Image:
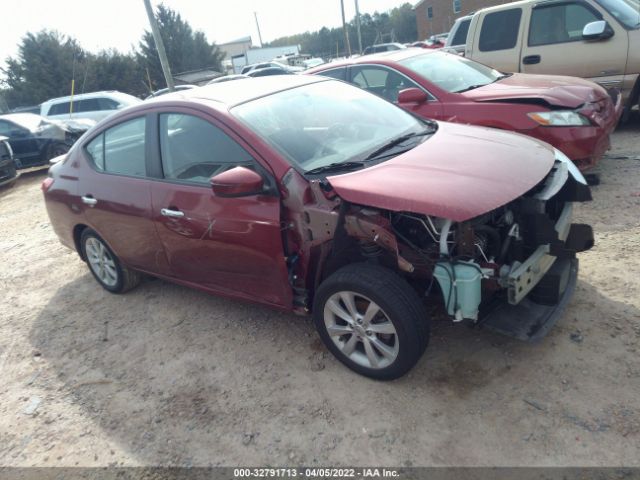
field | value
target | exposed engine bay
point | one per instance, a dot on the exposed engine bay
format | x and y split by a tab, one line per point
501	256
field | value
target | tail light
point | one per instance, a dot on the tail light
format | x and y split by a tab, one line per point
46	184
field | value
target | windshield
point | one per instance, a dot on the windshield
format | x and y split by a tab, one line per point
626	12
326	123
451	72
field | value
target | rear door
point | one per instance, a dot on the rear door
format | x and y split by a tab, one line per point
26	148
554	43
497	39
231	246
115	193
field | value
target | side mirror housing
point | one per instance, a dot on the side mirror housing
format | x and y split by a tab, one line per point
237	182
412	95
598	30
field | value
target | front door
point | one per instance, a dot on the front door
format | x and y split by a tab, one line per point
387	83
231	246
554	43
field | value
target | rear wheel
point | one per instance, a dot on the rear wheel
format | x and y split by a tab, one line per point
371	320
105	266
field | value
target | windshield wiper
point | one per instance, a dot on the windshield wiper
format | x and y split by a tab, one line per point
471	87
396	141
336	167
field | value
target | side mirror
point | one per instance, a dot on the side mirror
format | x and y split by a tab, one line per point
412	95
599	30
237	182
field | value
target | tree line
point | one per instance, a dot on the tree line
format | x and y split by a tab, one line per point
397	25
48	61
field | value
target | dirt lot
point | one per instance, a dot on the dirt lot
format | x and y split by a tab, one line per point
167	375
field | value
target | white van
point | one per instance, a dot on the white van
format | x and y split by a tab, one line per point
94	106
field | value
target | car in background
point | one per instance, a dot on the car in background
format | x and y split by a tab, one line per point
228	78
383	47
312	196
94	106
594	39
34	109
164	91
275	65
572	114
267	72
457	38
35	140
8	171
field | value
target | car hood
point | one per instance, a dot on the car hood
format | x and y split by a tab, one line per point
555	90
459	173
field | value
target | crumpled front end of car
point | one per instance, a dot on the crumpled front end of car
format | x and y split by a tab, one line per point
512	269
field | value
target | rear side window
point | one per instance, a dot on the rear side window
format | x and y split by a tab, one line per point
107	104
121	149
337	73
559	23
59	108
500	30
88	105
193	150
460	37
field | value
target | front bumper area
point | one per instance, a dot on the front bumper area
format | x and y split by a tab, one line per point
530	321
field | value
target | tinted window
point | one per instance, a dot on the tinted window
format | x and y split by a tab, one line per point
193	150
8	129
89	105
460	37
381	81
120	149
5	153
338	73
500	30
559	23
5	127
107	104
59	108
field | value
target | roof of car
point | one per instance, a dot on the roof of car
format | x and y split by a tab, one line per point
234	93
393	56
82	96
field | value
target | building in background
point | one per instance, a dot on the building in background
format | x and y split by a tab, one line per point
258	55
437	16
233	49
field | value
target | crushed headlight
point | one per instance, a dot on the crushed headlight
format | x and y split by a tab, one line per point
560	118
573	170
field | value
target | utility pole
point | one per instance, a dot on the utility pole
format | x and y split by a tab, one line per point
258	27
344	29
164	62
358	27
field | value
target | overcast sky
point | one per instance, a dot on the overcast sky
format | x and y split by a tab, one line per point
119	23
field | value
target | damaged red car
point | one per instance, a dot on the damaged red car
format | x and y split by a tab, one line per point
572	114
313	196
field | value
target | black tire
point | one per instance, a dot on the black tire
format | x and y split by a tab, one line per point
399	303
126	279
56	149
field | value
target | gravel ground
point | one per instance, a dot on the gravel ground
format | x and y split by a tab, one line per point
167	375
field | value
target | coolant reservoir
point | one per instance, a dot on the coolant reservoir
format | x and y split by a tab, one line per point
461	296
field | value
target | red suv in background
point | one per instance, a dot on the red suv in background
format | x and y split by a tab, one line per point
572	114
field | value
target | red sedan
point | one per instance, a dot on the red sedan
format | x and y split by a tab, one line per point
572	114
310	195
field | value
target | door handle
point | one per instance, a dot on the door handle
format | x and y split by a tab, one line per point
167	212
89	200
531	59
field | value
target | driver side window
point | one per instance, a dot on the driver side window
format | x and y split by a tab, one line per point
193	150
381	81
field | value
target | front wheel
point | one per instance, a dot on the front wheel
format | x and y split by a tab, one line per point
371	320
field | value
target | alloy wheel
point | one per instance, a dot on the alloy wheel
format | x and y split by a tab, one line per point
101	262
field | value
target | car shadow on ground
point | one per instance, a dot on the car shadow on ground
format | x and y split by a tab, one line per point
168	372
25	176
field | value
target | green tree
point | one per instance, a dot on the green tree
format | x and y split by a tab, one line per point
186	49
43	68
